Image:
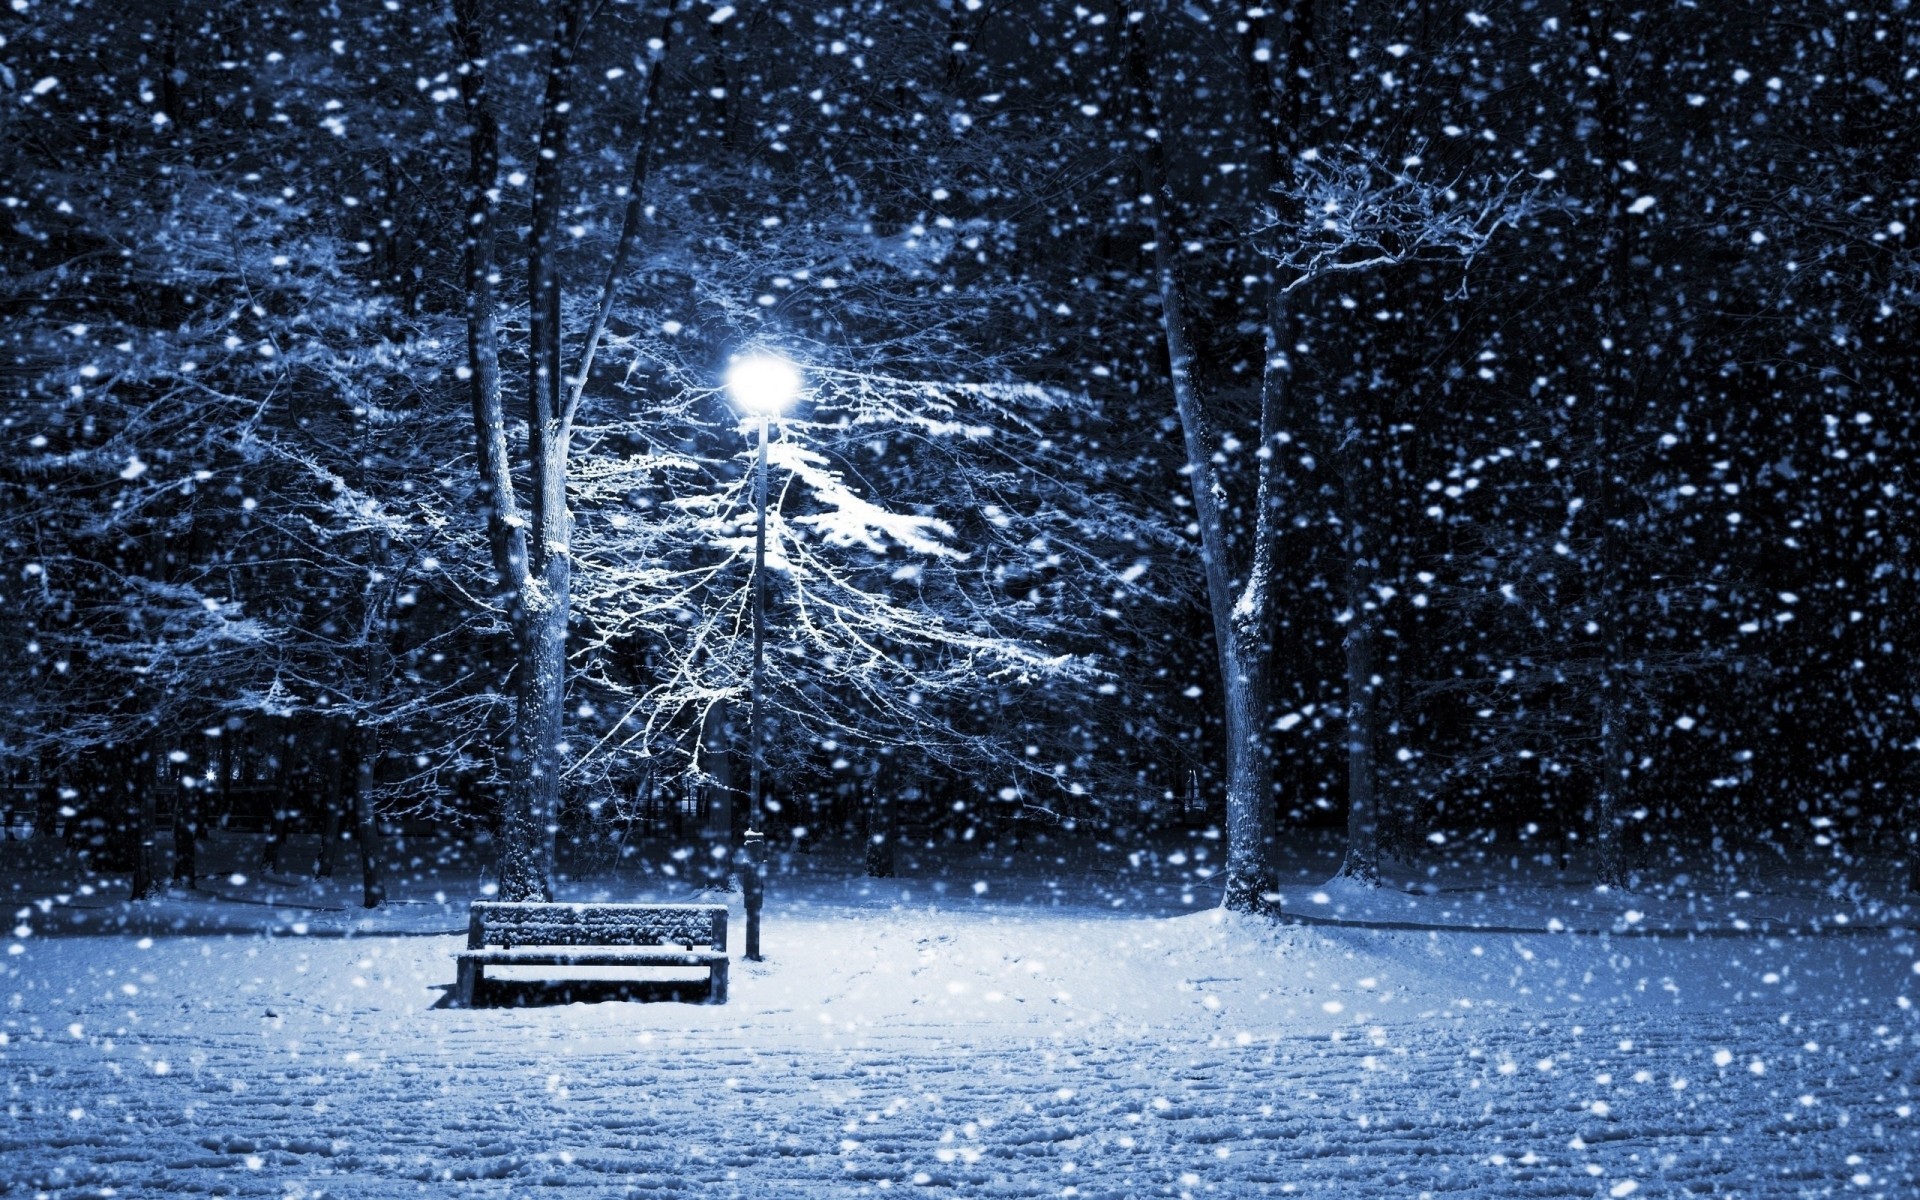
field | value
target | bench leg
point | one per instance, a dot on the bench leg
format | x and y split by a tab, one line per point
717	984
467	983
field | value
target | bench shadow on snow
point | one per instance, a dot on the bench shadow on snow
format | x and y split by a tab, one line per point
537	993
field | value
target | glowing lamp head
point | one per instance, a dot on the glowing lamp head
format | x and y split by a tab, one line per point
763	384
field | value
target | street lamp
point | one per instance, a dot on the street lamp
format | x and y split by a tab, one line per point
763	385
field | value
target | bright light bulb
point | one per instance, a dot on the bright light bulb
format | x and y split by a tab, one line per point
764	383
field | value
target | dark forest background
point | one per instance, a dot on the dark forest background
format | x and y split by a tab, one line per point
1536	375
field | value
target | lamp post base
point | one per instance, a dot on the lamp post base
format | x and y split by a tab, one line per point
753	886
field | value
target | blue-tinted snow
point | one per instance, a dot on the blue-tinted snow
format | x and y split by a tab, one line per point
1024	1041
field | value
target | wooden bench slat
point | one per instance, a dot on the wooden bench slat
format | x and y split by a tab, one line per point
511	923
590	956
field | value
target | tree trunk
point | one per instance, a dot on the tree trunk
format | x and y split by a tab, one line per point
1239	623
330	784
1237	602
225	760
276	835
1912	834
186	835
532	552
1610	777
880	821
1363	817
506	532
366	822
1397	798
140	782
1612	407
529	831
521	871
329	834
283	777
112	819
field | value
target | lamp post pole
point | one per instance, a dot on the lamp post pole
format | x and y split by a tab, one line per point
762	385
754	850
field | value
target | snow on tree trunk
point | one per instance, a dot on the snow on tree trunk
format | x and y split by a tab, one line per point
506	532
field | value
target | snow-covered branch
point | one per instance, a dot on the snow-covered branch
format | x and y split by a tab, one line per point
1350	211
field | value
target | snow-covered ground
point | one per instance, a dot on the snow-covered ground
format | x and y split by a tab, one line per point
1023	1040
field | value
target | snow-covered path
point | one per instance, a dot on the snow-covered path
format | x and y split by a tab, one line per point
1414	1108
978	1057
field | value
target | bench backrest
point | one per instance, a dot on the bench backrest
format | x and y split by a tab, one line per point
508	924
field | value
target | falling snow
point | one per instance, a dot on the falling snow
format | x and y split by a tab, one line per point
1286	599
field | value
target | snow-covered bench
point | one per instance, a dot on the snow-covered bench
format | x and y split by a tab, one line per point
517	934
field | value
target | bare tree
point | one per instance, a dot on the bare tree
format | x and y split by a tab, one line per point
532	543
1237	579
